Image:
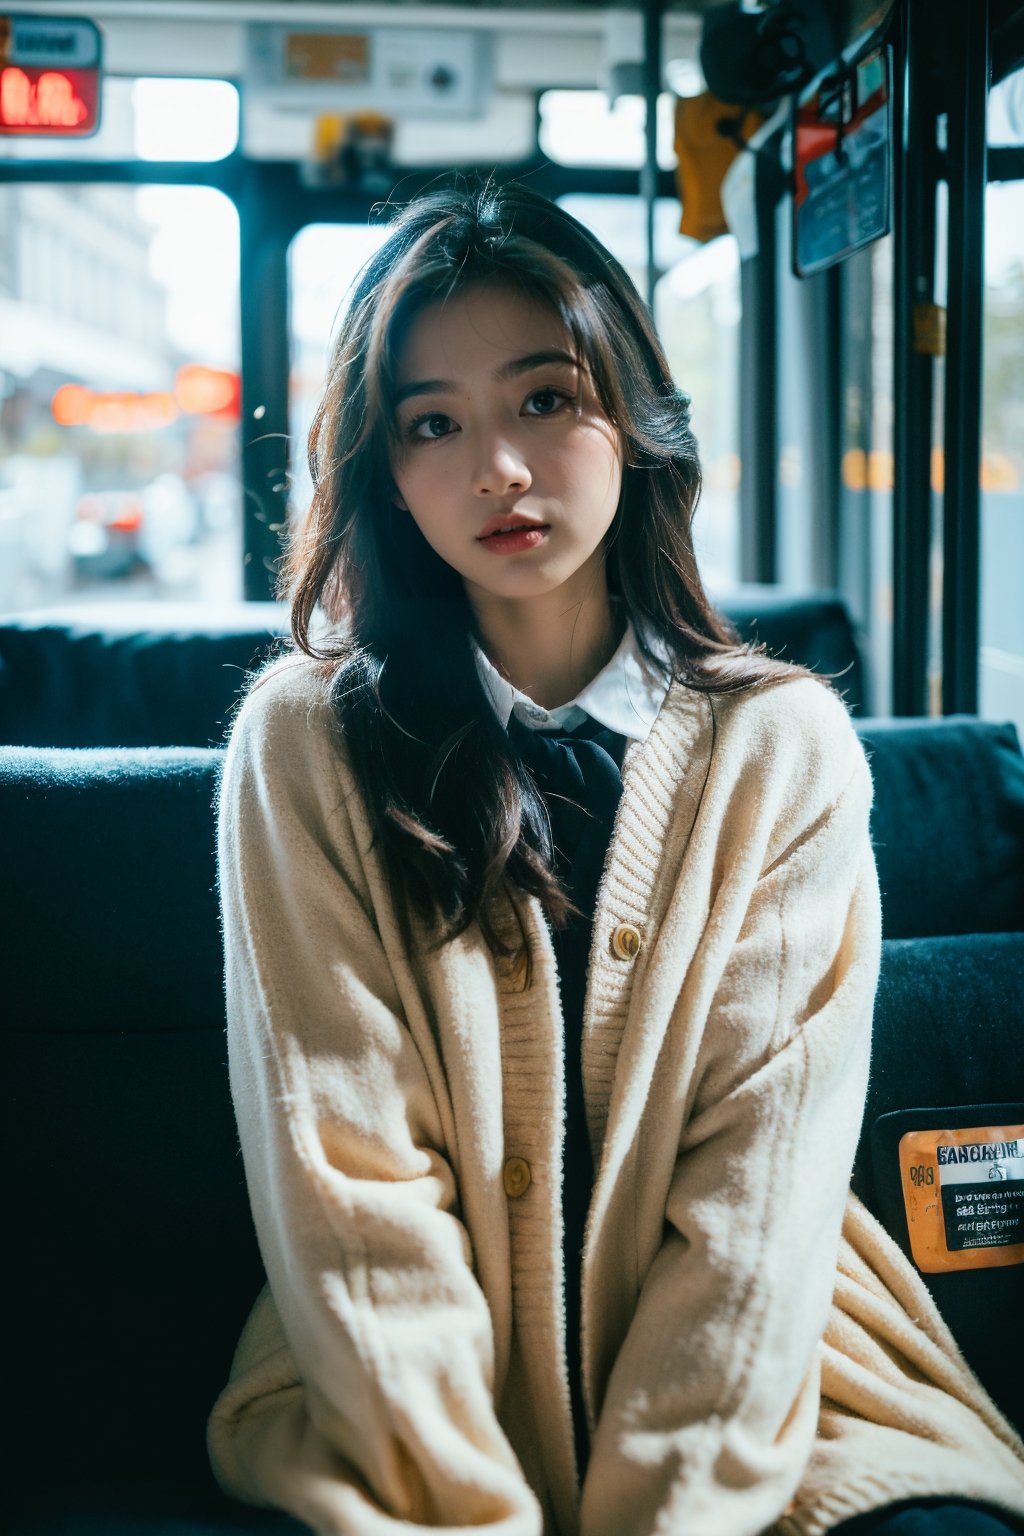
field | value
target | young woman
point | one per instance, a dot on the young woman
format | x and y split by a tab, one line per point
552	934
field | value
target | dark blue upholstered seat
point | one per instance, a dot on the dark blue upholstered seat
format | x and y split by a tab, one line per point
152	675
137	675
948	830
134	1262
947	825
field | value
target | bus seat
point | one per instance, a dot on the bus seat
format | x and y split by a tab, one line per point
151	675
131	675
947	824
135	1260
815	629
948	832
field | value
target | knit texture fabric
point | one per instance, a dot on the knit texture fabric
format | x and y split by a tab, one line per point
756	1352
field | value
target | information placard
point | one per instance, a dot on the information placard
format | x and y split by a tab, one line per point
842	164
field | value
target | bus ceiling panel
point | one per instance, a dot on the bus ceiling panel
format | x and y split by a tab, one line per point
209	37
131	47
319	12
161	37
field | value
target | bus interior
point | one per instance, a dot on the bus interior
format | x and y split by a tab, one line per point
823	206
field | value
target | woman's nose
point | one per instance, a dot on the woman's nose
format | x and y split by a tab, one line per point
500	470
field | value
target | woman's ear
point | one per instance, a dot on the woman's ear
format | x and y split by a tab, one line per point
398	500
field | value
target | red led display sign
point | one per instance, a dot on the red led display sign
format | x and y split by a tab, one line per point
48	100
49	76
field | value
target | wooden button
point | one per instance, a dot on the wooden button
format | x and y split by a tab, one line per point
516	1177
627	942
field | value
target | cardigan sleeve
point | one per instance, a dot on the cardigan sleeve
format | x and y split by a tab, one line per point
711	1407
374	1413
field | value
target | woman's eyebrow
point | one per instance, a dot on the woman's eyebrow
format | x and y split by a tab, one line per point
509	370
425	387
518	365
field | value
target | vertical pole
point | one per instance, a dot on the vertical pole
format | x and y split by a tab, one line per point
968	173
653	11
914	235
265	368
820	297
758	404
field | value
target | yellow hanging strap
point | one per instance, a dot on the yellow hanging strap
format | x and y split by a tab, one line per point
709	134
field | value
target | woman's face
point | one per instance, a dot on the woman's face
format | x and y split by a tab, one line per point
506	460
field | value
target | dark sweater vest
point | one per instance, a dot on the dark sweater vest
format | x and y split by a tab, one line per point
580	776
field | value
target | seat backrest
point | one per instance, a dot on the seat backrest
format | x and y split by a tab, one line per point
137	675
136	1259
812	628
170	674
947	825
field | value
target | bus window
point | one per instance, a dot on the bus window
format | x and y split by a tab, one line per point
1001	659
697	312
119	393
619	223
323	261
583	128
878	594
1005	116
808	462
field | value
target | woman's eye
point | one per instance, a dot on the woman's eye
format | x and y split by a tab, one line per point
545	402
430	428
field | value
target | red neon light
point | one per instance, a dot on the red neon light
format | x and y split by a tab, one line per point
74	405
48	100
205	391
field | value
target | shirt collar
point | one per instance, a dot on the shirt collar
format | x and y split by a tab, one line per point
625	696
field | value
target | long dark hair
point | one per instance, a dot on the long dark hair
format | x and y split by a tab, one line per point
456	815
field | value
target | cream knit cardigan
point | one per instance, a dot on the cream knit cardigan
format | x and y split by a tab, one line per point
757	1353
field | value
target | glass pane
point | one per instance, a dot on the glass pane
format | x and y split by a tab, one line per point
1006	111
879	474
581	128
805	469
1001	662
619	223
144	119
119	395
937	555
323	262
697	312
798	431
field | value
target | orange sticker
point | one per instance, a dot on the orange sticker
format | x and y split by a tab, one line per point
964	1195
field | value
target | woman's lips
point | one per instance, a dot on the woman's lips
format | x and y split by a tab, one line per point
516	540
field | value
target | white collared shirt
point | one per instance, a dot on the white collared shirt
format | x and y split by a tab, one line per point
625	696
